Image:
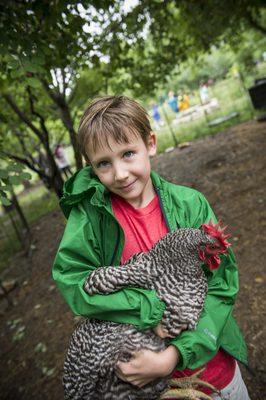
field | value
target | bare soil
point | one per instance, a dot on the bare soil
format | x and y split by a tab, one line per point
229	168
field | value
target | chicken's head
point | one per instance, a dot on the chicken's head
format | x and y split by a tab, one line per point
210	252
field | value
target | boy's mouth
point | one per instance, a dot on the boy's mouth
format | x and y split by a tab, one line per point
127	187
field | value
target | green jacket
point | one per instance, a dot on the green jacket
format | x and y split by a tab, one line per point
93	238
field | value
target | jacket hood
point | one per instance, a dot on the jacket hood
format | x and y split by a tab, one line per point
85	184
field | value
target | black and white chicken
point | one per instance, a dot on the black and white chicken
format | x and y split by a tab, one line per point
173	267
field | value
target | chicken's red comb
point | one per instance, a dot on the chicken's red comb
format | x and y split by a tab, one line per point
216	231
211	254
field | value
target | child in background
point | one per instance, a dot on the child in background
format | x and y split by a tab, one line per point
204	93
156	115
183	102
116	206
62	161
173	102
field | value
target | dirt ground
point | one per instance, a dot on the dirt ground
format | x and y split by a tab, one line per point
229	169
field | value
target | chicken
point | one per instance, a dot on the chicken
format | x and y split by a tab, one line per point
173	267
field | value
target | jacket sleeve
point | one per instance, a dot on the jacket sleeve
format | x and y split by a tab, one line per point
77	256
200	345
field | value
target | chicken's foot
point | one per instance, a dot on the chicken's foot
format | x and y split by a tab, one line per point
185	394
185	388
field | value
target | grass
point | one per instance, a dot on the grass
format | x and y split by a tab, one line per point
37	203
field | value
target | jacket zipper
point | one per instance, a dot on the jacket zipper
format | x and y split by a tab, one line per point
162	208
116	245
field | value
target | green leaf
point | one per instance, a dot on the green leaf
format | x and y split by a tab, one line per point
15	180
3	174
25	175
16	73
48	371
40	347
4	200
15	167
6	188
33	82
38	59
20	333
14	64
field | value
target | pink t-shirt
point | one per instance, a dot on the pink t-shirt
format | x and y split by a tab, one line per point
142	228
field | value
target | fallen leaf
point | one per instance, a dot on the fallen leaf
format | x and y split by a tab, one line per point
40	347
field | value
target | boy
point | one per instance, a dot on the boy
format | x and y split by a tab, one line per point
117	207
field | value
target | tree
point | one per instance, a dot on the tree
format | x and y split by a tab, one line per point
47	48
26	134
46	45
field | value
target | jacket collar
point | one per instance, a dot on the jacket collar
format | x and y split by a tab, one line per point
85	184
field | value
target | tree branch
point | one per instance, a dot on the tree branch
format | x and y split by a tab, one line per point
24	161
63	73
38	115
23	116
56	97
255	24
23	146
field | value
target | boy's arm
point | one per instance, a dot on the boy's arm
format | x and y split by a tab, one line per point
200	345
77	257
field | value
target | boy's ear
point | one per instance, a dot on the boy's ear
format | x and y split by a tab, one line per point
152	144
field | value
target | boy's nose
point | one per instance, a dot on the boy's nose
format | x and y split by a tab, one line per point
121	173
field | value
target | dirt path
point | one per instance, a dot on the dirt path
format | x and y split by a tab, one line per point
230	170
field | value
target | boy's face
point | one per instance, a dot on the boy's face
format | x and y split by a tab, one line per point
124	168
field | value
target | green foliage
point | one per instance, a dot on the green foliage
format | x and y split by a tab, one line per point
90	83
11	174
55	56
140	46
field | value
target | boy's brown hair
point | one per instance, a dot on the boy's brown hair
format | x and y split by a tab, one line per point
112	116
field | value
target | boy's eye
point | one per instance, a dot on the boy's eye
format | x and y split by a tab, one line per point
102	164
128	154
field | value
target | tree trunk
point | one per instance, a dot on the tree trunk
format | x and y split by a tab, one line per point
67	120
55	177
57	184
20	212
59	100
23	233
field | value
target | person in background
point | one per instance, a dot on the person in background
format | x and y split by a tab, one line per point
62	161
156	115
183	102
173	102
204	93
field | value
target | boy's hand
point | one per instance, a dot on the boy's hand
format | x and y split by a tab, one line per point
161	332
147	365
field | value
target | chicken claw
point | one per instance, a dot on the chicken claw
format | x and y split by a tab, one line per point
185	394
